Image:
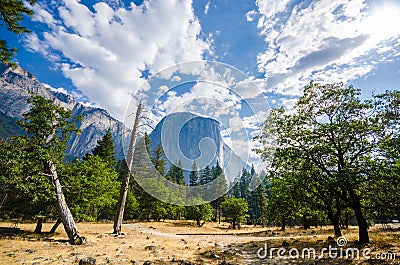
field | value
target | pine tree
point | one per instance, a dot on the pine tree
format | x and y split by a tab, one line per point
205	175
158	159
105	149
194	175
175	174
220	188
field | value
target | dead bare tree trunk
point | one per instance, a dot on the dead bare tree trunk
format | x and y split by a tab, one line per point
63	210
125	182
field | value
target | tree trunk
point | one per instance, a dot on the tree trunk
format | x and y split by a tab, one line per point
363	236
125	182
39	225
63	210
336	228
283	223
334	218
55	226
234	223
305	223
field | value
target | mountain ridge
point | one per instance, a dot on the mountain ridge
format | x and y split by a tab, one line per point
16	84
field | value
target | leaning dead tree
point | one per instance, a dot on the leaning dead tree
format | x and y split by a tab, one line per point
64	213
125	182
63	210
48	128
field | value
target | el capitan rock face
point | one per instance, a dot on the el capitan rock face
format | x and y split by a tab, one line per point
186	137
15	86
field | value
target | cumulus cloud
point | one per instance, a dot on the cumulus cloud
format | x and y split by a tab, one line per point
324	40
104	48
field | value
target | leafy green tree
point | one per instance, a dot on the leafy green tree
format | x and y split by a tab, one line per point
339	134
25	192
235	210
92	189
201	211
12	13
105	149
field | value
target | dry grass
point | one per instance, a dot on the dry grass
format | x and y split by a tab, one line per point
217	243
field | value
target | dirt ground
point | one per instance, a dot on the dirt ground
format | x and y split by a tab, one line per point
181	242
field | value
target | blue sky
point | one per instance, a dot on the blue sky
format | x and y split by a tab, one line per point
102	52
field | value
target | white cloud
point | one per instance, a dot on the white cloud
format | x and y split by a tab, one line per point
207	7
106	48
251	15
325	40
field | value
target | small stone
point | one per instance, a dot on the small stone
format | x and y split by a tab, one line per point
213	256
76	253
30	251
285	244
148	262
87	261
150	247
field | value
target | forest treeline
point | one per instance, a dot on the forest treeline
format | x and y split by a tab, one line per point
332	158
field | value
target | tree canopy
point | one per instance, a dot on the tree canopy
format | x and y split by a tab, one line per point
12	13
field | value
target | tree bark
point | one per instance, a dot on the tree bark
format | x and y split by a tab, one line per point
55	226
63	209
334	218
363	236
39	225
125	182
283	223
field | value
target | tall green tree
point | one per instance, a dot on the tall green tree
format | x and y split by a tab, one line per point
220	187
205	175
92	188
12	13
175	174
105	149
194	175
158	159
